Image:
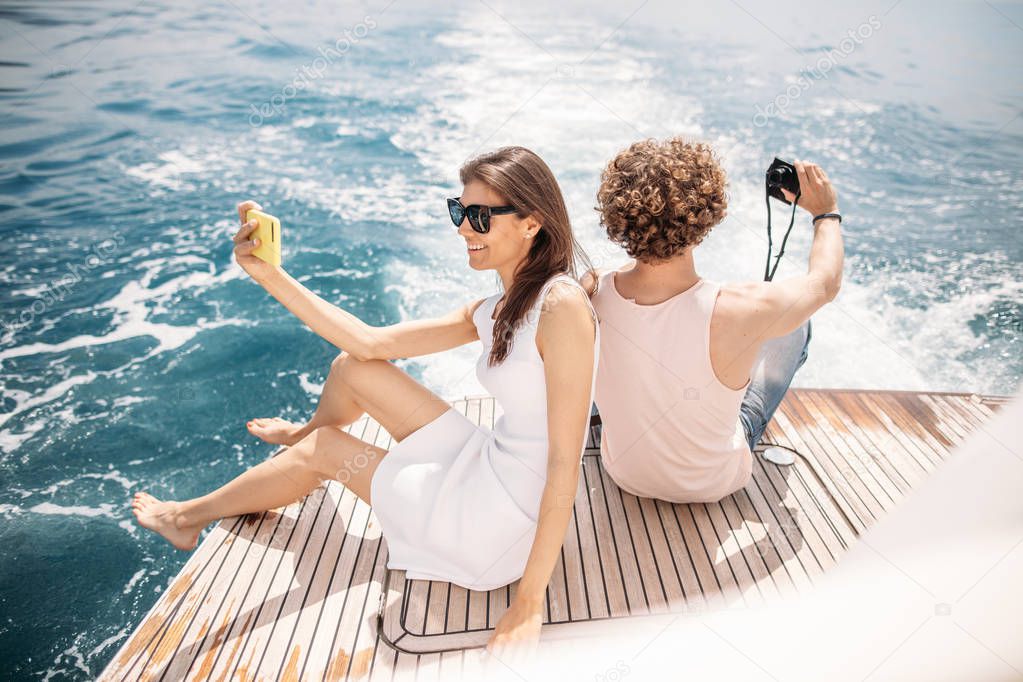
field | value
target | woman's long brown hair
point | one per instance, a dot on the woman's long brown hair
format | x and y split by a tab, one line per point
524	181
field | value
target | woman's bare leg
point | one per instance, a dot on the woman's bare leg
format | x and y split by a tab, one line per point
337	407
397	401
356	387
326	453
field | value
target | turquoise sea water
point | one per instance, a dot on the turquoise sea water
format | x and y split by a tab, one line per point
133	350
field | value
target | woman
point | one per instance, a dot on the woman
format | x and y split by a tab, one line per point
456	501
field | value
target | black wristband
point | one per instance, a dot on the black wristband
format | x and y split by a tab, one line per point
822	216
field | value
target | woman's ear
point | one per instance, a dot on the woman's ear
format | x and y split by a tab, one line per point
533	225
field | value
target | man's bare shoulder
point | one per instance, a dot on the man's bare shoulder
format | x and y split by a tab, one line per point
589	280
740	295
590	277
742	302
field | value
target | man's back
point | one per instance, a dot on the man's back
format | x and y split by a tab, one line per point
671	429
735	329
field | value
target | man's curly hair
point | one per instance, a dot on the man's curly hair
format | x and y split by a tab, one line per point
658	198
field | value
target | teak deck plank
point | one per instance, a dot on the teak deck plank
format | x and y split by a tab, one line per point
296	592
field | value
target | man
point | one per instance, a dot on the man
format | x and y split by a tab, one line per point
691	370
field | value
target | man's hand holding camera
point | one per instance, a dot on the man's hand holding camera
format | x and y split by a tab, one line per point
817	194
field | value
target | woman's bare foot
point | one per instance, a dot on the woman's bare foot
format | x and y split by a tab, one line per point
162	518
275	430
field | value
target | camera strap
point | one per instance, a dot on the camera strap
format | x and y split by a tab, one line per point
768	270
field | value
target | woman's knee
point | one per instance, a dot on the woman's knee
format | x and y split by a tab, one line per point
340	360
309	451
349	366
331	453
345	366
351	369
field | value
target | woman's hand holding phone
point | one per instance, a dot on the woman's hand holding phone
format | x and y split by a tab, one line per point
245	242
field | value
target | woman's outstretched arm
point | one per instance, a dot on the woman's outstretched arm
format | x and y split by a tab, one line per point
343	329
565	336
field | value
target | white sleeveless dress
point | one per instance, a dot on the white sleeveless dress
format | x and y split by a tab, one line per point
459	502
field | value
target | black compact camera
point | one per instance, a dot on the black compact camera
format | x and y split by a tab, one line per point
781	174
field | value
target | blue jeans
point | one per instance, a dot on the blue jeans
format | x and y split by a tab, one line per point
772	373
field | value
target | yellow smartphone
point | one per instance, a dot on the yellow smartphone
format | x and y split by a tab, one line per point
269	234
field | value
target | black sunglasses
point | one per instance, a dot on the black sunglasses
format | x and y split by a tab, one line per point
478	215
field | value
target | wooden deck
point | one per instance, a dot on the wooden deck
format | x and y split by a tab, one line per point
302	592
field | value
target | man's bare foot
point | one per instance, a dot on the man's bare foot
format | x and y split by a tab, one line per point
161	517
275	430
